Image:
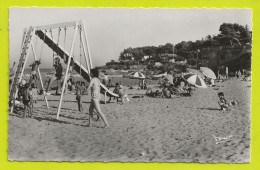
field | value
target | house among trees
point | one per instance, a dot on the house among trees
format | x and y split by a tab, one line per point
231	47
235	57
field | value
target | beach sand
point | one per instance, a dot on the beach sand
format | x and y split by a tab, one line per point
146	129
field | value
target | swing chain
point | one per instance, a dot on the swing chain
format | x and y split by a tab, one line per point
42	45
58	36
53	45
64	43
80	46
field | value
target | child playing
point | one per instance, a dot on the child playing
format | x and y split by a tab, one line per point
122	94
94	87
79	91
34	93
58	75
27	100
223	102
116	91
35	67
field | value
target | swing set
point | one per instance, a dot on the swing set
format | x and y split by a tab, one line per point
45	33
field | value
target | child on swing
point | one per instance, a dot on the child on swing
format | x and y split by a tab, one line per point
94	87
35	66
58	75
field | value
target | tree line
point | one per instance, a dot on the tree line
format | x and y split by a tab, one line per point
230	34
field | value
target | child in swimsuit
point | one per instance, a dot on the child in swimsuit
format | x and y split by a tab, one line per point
94	87
79	91
224	105
122	94
35	67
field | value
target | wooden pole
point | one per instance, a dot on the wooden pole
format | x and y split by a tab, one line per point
67	69
39	73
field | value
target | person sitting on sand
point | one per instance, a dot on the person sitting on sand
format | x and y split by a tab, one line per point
212	82
173	90
223	102
157	94
110	84
161	81
116	91
166	93
149	92
189	90
94	87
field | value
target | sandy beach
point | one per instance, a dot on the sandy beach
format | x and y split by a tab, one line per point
182	129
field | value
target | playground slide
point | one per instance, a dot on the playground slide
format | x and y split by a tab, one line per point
65	55
109	93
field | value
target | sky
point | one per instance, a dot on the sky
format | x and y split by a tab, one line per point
111	30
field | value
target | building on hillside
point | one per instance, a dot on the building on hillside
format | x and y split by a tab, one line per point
213	57
138	67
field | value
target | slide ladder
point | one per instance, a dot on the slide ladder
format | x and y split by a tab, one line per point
26	45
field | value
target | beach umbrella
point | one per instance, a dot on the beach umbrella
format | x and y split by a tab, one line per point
157	76
195	80
137	75
208	72
190	70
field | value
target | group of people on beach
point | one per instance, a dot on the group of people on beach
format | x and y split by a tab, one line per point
172	85
28	90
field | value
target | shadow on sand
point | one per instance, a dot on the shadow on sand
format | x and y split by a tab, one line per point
210	108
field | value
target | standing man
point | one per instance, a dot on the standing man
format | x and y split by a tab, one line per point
227	72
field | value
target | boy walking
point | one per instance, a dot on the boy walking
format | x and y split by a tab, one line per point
79	91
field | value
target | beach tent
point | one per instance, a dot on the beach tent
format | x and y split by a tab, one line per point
208	72
137	75
190	70
195	80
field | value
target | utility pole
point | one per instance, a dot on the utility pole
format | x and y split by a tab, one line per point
197	58
172	48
